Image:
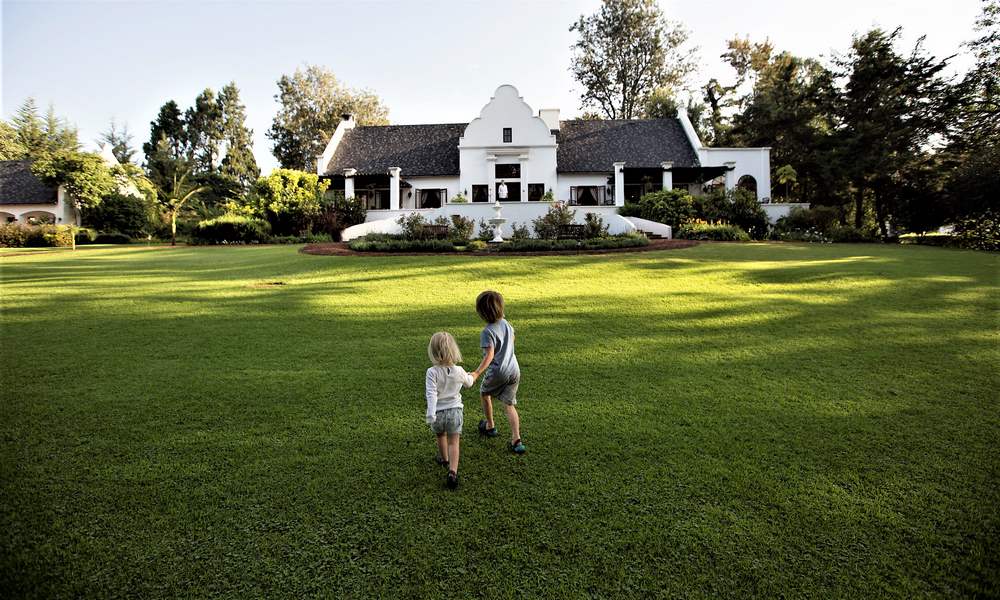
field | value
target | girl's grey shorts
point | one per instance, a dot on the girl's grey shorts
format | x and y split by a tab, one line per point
447	421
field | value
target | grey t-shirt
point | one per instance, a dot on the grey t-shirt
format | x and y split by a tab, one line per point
500	335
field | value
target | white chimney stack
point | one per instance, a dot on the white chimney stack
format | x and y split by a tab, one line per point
550	116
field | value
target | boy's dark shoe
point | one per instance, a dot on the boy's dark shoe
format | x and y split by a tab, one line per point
452	480
517	447
441	461
492	432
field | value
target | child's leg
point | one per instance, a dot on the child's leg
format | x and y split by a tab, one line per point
453	443
515	422
442	446
488	410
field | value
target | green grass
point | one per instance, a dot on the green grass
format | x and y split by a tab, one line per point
726	420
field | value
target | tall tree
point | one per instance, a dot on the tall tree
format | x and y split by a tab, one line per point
120	141
10	145
169	126
312	102
30	132
239	163
891	106
60	136
626	51
203	131
39	137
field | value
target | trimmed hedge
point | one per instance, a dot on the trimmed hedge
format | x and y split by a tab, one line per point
231	229
705	231
363	245
14	235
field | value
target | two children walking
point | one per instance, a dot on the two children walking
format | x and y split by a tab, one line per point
445	379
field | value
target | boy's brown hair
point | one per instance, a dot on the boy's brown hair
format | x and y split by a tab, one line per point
489	305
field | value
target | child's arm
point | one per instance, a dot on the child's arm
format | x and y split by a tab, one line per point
469	379
487	359
431	392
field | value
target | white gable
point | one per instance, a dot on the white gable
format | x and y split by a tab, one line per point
506	110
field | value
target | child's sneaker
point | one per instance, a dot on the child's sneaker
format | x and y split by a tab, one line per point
452	480
441	461
517	447
492	432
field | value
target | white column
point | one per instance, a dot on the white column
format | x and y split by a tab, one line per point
491	177
523	160
349	182
730	175
668	175
619	183
394	188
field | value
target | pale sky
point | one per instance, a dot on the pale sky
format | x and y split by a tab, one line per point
431	62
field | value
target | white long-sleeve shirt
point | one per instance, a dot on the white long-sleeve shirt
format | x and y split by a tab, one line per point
443	388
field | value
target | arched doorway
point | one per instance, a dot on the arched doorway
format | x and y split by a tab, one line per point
748	183
6	217
37	217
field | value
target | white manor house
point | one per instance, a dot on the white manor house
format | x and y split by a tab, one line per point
597	165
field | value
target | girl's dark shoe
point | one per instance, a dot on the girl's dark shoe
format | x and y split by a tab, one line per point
517	447
441	461
492	432
452	480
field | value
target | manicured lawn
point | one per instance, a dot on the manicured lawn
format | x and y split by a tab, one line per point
725	420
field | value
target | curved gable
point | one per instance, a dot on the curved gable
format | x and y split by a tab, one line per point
507	109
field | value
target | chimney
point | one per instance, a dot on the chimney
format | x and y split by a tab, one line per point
551	117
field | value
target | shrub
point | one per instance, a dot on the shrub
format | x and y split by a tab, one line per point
363	245
85	235
459	199
13	235
476	246
461	227
544	245
979	233
818	218
231	229
746	213
112	237
123	213
595	226
548	196
412	226
846	234
671	207
519	231
486	232
712	207
548	225
708	231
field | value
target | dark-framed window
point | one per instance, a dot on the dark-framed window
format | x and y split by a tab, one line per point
374	198
508	171
535	191
508	135
588	195
432	198
480	193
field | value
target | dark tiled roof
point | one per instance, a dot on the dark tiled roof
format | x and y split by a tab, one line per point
18	185
419	150
595	145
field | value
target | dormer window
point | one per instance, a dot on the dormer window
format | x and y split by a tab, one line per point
507	135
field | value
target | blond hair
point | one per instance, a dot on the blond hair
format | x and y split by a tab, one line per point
443	351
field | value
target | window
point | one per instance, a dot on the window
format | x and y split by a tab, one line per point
480	193
508	171
432	198
588	195
373	198
507	135
535	191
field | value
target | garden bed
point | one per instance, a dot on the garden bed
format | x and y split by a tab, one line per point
342	249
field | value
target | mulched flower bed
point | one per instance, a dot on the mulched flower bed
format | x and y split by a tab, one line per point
341	249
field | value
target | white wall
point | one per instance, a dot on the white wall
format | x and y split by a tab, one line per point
515	213
63	211
408	196
569	180
749	161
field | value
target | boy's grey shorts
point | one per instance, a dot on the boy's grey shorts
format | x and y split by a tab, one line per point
500	386
448	421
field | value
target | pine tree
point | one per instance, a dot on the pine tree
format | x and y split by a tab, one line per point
120	141
30	132
204	132
169	126
239	163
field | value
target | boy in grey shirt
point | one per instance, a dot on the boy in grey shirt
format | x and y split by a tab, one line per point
502	373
